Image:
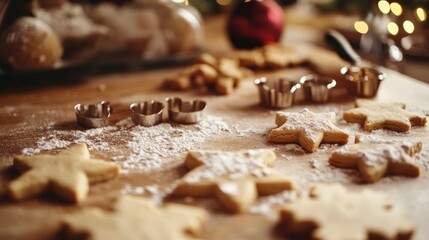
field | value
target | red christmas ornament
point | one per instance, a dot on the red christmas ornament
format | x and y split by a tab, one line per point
255	23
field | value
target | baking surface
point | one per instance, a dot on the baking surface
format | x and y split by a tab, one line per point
43	120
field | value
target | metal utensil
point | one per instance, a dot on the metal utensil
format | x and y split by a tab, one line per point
186	112
365	81
275	92
148	113
317	88
93	115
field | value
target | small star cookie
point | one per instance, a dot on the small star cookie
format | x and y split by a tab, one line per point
307	128
67	174
374	115
375	160
135	218
235	178
331	212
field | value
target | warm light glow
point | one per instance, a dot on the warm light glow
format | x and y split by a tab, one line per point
384	6
223	2
361	27
396	8
392	28
181	1
408	26
421	14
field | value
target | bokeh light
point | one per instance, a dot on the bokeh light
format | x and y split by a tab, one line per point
392	28
181	1
223	2
361	27
408	26
396	8
421	14
384	6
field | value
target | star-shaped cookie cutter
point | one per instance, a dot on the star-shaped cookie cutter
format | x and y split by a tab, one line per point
275	92
317	88
93	115
186	112
148	113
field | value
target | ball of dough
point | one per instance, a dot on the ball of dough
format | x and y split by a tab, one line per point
30	44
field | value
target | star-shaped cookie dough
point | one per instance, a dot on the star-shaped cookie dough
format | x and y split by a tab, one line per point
375	160
333	213
135	218
307	129
67	174
374	115
235	178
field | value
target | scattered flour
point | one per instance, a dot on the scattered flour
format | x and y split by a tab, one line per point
155	192
245	132
265	205
290	148
135	147
423	159
322	172
235	165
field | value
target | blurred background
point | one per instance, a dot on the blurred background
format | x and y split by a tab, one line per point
389	33
51	35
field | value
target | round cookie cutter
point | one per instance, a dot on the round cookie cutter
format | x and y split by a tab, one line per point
148	113
317	88
365	81
276	92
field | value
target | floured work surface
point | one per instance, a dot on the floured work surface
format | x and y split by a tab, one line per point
151	158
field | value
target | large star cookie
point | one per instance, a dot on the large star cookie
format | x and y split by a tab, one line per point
307	128
375	160
67	174
331	212
374	115
235	178
135	218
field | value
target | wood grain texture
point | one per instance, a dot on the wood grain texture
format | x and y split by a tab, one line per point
25	114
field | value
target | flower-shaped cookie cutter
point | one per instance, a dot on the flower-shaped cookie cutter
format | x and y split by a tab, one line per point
93	115
364	80
186	112
148	113
317	88
276	92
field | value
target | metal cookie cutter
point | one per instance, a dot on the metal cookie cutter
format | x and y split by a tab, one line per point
94	115
276	92
364	81
148	113
317	88
185	111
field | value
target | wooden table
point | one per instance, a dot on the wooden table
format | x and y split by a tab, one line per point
27	116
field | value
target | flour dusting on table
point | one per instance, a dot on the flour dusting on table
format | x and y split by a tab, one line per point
134	147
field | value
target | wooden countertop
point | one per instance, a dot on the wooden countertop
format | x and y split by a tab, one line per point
26	116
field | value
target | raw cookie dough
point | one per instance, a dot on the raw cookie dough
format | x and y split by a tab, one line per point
307	129
235	178
67	174
136	218
375	160
331	212
374	115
